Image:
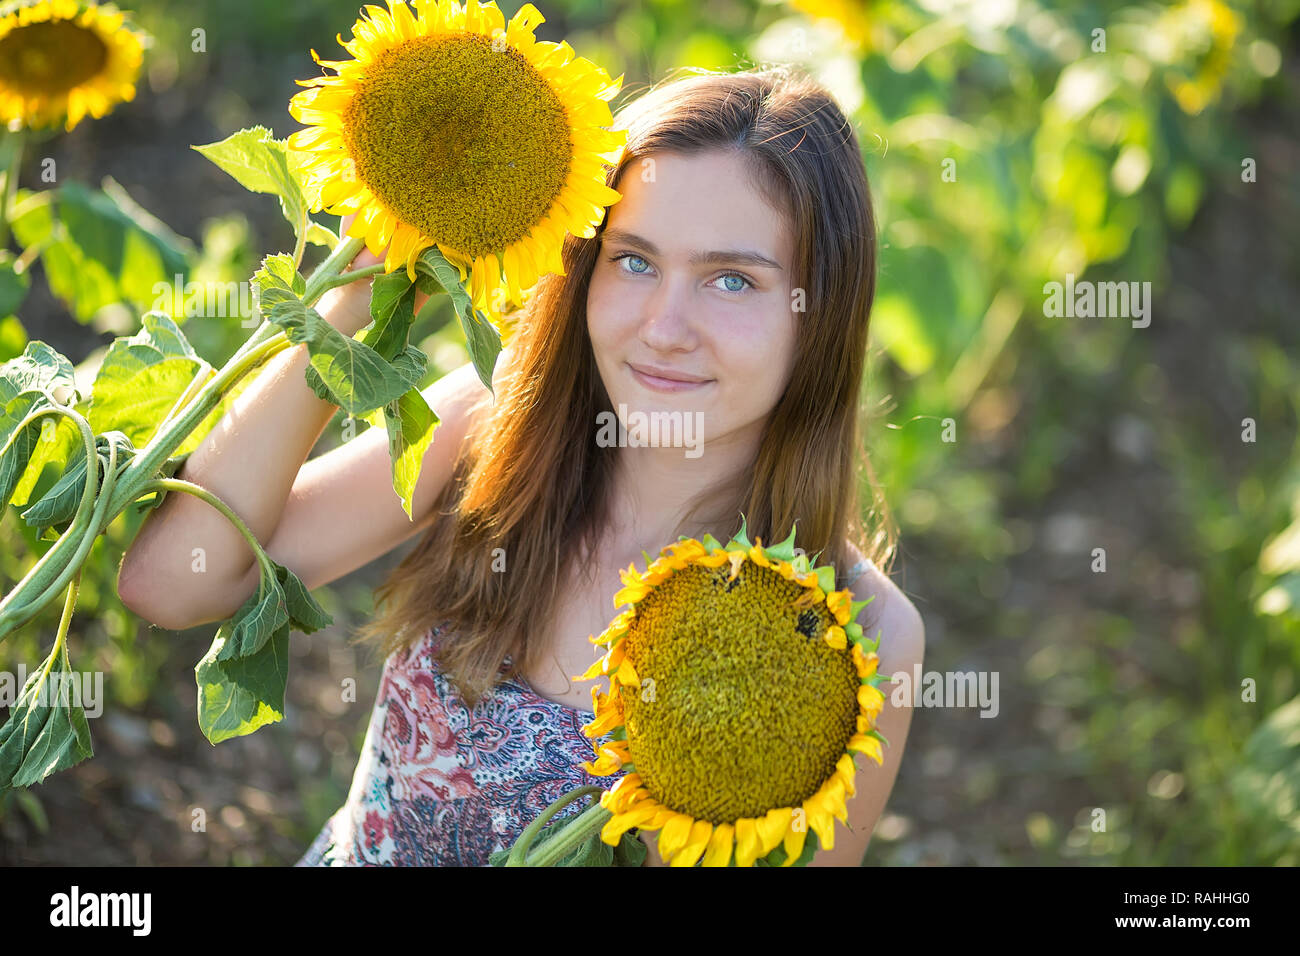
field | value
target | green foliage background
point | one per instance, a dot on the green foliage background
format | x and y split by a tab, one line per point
1005	150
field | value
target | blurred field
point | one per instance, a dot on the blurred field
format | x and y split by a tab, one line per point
1004	152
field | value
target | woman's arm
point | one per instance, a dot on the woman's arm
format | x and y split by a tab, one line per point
902	647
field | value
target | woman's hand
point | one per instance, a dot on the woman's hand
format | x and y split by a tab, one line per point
347	307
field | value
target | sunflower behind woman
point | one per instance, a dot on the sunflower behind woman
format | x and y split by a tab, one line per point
61	60
450	127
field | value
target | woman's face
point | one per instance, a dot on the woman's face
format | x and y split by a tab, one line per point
693	279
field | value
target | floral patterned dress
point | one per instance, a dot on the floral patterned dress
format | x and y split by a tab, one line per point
438	784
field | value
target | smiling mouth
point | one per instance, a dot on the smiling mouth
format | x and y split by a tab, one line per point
660	383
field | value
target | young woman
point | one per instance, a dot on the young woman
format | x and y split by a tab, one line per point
732	282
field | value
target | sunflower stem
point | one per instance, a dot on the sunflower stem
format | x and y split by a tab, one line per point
318	283
571	836
10	186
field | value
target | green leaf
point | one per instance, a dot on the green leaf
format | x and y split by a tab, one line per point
39	368
277	281
280	600
410	423
320	236
631	850
98	251
260	163
304	613
778	855
24	384
238	696
141	378
255	623
352	375
784	551
59	504
392	307
481	337
42	735
13	285
13	338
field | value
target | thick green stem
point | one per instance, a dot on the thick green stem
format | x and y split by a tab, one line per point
60	639
19	615
344	278
38	578
198	491
574	833
323	278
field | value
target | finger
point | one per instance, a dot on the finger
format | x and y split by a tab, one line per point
364	257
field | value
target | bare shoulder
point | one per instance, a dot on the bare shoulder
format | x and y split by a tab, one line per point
902	630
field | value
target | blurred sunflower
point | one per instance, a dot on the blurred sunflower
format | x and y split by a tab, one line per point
450	127
741	687
63	59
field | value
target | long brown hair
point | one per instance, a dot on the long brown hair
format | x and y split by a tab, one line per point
532	485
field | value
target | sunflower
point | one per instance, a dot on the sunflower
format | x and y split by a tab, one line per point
450	127
63	59
850	15
741	687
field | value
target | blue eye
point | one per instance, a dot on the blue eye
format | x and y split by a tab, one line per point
730	275
738	276
629	255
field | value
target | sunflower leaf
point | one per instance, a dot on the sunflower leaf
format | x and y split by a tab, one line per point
277	281
411	423
319	235
99	248
58	506
46	732
351	375
256	621
26	384
238	696
481	337
304	613
631	851
141	378
260	163
392	306
13	285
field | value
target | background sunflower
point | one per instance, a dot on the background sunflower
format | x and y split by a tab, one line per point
61	60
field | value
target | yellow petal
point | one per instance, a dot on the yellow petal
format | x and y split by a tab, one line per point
720	844
867	745
620	823
701	831
793	846
772	827
674	835
747	842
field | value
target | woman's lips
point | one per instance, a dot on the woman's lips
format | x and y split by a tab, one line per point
658	384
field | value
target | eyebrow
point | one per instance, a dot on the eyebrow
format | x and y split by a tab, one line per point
745	256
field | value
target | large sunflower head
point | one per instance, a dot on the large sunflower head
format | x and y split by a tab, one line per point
62	59
741	687
450	127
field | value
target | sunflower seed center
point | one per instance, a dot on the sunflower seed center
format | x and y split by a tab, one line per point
50	58
465	141
751	708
